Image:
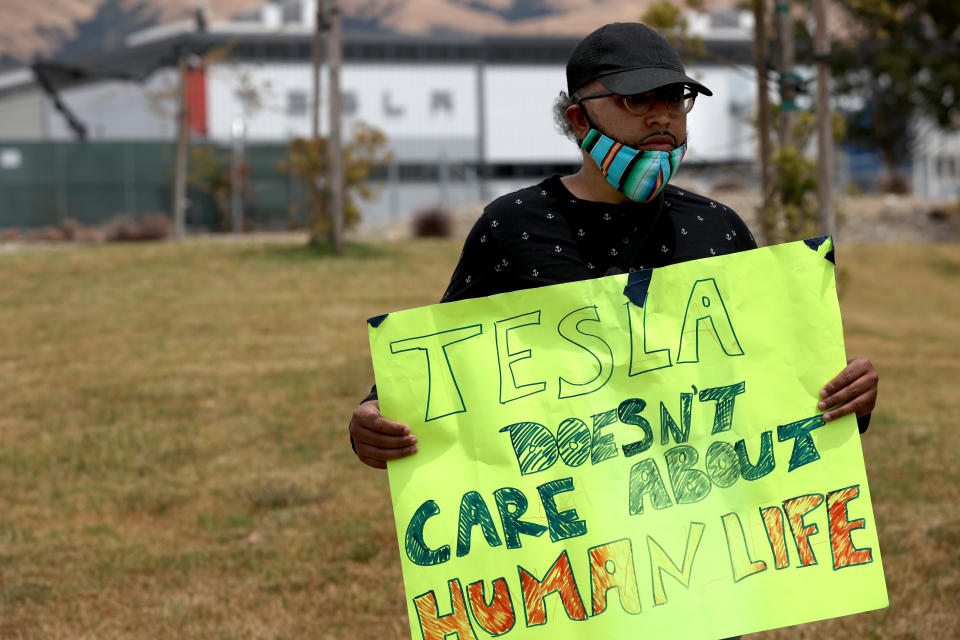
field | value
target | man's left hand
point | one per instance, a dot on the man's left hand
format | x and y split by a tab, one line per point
854	390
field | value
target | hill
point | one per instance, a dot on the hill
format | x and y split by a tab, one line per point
72	27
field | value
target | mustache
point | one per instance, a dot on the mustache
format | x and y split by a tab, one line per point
661	132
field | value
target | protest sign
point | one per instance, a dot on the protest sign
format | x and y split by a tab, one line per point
639	455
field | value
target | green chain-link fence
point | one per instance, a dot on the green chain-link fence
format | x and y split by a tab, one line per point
45	183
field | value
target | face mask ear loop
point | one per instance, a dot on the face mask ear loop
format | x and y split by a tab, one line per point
586	116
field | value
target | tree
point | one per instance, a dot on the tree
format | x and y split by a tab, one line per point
211	173
307	160
668	19
901	59
794	212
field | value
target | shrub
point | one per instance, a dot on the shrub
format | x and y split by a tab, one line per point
156	226
89	235
120	229
45	234
70	228
308	161
435	222
124	228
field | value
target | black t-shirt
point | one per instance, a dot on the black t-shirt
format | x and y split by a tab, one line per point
545	235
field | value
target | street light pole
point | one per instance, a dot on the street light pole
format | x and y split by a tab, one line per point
236	174
335	146
317	63
179	195
788	76
821	48
763	103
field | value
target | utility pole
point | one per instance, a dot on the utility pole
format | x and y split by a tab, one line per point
334	144
821	50
788	78
239	134
179	196
760	51
317	63
482	131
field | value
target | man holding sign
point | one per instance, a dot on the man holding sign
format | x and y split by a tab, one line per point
627	96
701	500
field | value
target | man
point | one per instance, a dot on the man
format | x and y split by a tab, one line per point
626	105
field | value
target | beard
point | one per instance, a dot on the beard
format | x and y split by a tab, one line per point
636	143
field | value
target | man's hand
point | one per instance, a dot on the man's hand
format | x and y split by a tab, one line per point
377	439
854	390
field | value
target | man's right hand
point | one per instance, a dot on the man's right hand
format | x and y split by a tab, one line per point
377	439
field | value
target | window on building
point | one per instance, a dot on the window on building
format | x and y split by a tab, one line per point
390	109
291	13
946	167
441	101
249	99
348	103
252	15
276	51
296	102
725	18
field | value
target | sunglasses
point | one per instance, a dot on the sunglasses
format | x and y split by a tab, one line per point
678	100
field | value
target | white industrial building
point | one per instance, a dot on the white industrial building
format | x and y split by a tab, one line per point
452	93
472	112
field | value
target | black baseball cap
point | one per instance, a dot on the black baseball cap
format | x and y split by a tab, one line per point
627	58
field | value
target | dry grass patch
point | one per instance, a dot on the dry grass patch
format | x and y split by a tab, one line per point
175	463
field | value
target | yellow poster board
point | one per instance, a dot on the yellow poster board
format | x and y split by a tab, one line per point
635	456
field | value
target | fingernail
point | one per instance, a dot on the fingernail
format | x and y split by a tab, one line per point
827	417
823	393
822	406
415	450
413	439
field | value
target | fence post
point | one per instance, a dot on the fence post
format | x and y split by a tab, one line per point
61	178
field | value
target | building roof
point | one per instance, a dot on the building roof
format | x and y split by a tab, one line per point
137	61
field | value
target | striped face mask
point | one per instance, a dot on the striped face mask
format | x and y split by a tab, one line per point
639	175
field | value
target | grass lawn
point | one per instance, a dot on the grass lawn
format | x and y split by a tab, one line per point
175	464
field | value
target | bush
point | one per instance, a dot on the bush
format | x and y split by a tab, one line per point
307	160
89	235
125	229
70	228
432	223
46	234
120	229
895	184
155	227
